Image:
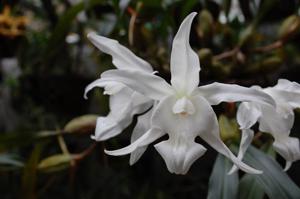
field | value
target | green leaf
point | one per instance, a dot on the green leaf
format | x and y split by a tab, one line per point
274	181
10	160
249	188
222	185
55	163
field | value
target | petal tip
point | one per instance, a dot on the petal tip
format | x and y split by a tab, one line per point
91	34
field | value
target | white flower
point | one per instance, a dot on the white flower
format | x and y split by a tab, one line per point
278	122
184	110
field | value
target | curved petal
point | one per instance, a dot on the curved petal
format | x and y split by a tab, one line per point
142	126
107	127
247	137
288	148
122	57
110	87
185	65
284	84
216	93
273	122
211	135
123	106
248	114
118	119
150	136
285	92
150	85
283	96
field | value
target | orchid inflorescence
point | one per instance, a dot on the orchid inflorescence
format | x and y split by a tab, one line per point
183	110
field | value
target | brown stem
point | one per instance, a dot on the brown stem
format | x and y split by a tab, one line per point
85	153
270	47
134	14
227	54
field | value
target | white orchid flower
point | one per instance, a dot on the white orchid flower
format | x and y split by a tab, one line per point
278	122
184	110
124	102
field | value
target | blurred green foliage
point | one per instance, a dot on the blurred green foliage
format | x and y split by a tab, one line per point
46	153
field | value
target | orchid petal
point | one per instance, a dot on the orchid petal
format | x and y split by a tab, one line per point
122	57
107	127
274	123
284	84
248	114
285	92
216	93
110	87
288	148
211	135
150	136
142	126
123	106
247	137
179	159
150	85
185	65
284	96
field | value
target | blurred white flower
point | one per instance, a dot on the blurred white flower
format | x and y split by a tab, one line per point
10	67
72	38
183	110
278	122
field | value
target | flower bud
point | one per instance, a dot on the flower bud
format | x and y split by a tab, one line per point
289	28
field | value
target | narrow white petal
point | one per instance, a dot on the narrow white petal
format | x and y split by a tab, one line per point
216	93
150	85
142	126
248	114
212	136
149	137
247	137
288	165
110	87
288	148
122	57
185	64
